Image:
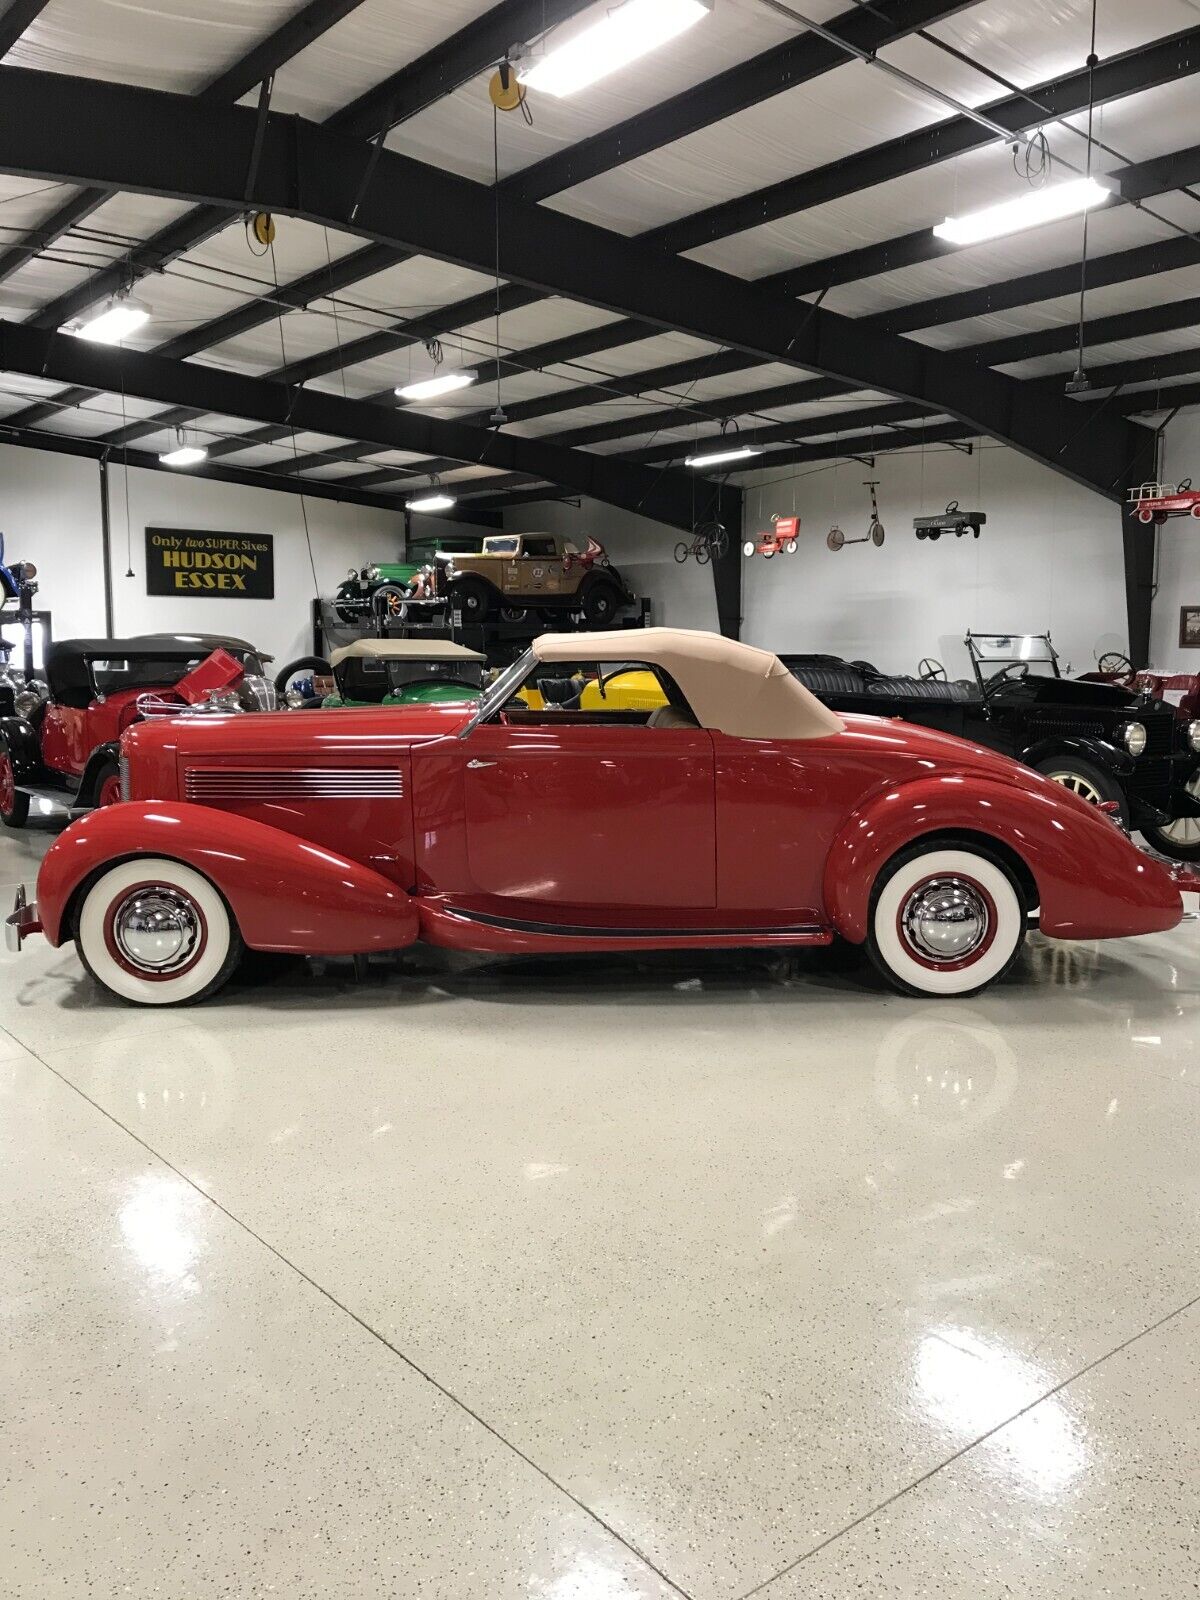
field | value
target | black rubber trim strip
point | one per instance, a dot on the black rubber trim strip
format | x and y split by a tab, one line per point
625	933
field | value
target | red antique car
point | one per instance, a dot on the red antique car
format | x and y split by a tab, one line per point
64	749
742	812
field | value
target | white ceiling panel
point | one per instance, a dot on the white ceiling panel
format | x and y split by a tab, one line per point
374	41
180	45
300	248
391	458
258	455
415	286
456	133
1165	119
1101	355
332	471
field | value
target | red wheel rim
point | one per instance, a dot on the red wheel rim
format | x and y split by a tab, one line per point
8	788
910	947
110	791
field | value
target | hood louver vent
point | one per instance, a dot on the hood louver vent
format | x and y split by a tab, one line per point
267	785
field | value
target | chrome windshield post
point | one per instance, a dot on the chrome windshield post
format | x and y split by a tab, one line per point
505	686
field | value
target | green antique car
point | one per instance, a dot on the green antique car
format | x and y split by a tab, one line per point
382	587
404	672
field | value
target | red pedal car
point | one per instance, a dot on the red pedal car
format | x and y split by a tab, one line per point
1157	502
65	749
742	812
781	538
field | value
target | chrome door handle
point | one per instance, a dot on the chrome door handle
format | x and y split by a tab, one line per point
475	765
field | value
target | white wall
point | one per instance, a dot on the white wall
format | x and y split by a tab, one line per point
50	515
1178	552
50	511
643	551
1049	557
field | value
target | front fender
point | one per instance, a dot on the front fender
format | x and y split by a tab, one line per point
1091	882
1110	757
286	894
19	740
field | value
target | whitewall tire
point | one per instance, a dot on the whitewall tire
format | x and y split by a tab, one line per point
945	920
156	932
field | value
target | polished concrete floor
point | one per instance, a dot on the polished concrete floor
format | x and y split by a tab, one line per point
591	1280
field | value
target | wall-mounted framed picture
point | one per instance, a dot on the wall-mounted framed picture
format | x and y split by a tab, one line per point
1189	627
186	561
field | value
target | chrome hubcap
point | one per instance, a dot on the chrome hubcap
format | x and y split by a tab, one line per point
157	929
945	919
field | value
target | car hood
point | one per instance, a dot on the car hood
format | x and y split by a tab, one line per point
339	731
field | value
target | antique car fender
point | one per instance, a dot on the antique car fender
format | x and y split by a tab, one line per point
19	741
104	755
1112	757
1080	868
286	894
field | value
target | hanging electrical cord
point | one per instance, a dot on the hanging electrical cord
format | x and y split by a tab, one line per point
292	434
1080	383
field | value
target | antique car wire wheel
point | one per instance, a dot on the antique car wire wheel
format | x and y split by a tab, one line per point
945	920
156	932
1179	839
14	806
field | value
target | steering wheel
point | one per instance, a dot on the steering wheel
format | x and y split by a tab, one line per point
317	666
1114	663
1012	673
931	671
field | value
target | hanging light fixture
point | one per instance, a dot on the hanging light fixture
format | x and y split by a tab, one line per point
1030	210
184	454
435	500
121	316
715	457
620	36
440	383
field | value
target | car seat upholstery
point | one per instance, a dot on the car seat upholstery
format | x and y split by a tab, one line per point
671	717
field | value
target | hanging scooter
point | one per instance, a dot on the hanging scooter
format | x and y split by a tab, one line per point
836	539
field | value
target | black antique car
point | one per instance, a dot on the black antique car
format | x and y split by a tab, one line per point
1109	744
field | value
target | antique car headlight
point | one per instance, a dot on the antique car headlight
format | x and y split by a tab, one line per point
373	573
294	699
1134	735
352	573
26	702
1194	735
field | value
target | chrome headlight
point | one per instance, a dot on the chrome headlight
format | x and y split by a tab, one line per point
26	702
1194	735
373	573
294	699
1134	735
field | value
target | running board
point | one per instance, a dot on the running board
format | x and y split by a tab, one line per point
464	929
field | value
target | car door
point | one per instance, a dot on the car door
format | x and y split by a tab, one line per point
542	564
591	814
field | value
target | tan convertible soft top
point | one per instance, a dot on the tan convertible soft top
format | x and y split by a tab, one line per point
404	650
730	686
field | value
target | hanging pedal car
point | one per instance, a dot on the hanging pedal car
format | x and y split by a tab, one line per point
836	539
780	538
953	521
1156	502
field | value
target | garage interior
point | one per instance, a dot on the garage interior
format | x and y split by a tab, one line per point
707	1273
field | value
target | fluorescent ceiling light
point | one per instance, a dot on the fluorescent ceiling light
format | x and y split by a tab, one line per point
433	502
1027	211
716	456
187	455
443	383
116	322
622	35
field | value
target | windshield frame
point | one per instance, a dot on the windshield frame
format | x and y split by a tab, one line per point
999	663
501	692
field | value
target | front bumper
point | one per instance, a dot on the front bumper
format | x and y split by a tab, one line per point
21	923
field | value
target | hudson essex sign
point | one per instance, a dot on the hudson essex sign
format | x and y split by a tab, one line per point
181	561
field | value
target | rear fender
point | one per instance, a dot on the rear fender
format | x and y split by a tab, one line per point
286	894
19	741
104	755
1108	757
1091	882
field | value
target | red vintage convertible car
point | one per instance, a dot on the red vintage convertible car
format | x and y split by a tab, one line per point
741	813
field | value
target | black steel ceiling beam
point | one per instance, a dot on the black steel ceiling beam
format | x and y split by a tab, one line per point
267	57
349	491
1166	318
94	132
1124	374
60	358
1164	61
15	17
785	66
888	416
